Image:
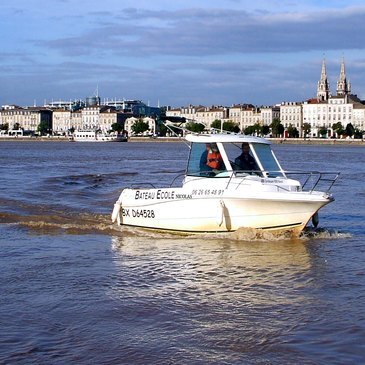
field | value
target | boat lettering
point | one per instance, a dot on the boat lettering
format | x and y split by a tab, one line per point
271	181
125	212
161	194
207	192
183	196
144	195
143	213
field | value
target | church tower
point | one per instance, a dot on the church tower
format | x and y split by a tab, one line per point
323	89
343	87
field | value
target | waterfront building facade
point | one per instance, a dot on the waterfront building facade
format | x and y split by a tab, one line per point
96	117
269	113
235	114
320	112
128	125
174	112
327	109
90	117
62	121
76	120
129	122
245	115
291	115
322	115
208	115
358	118
107	117
250	116
27	119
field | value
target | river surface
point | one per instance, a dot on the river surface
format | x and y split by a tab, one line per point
75	289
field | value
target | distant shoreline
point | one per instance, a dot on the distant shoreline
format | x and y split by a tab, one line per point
309	141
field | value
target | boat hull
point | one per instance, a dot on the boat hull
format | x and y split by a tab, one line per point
100	139
94	136
193	211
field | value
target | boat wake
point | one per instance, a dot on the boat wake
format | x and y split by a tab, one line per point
87	223
324	233
70	223
42	219
252	234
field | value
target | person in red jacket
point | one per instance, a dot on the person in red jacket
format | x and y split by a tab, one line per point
211	158
214	158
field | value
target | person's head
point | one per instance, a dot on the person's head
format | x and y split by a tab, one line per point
245	148
214	147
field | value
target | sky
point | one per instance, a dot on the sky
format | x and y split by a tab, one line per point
178	52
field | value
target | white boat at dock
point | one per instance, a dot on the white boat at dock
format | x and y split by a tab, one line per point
224	197
97	136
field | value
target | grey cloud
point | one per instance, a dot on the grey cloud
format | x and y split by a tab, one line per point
196	32
212	67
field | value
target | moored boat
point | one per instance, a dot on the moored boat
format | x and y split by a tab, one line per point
231	182
97	136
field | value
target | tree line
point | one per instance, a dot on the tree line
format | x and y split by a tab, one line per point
276	129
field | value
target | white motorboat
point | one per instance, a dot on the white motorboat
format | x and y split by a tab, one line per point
97	136
226	198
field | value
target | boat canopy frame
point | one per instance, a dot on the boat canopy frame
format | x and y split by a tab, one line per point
229	149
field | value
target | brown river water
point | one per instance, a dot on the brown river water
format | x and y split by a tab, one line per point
76	289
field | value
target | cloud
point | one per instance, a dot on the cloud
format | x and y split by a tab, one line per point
220	52
207	32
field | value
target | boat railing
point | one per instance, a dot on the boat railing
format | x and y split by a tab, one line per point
149	185
177	180
243	174
312	180
309	180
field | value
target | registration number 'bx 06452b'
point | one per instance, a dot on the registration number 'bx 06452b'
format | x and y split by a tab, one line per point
138	213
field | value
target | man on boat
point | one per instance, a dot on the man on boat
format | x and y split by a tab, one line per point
245	161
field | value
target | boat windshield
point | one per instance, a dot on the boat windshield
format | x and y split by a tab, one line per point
268	160
205	160
261	159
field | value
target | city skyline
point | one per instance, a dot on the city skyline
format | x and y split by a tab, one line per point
185	52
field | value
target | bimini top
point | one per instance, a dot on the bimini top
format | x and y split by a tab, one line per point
225	138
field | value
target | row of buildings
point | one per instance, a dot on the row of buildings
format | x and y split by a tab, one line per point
63	117
321	112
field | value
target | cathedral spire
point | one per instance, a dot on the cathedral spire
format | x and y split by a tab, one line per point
343	87
323	89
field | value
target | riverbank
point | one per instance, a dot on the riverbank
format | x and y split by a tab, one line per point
326	141
314	141
322	141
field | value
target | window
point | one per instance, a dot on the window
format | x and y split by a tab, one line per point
197	161
267	160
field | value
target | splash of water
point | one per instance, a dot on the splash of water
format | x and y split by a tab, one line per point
47	221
